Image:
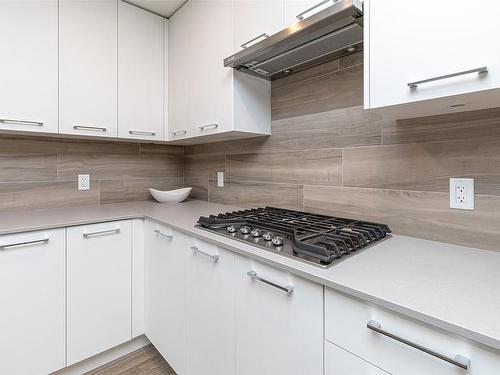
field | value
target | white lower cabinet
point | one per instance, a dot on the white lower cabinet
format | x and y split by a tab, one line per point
32	302
278	331
98	288
396	357
341	362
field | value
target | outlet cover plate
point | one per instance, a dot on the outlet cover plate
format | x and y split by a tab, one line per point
462	193
83	182
220	179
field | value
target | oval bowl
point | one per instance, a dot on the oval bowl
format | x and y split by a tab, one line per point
170	196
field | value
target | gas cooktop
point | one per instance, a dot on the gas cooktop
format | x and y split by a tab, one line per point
318	239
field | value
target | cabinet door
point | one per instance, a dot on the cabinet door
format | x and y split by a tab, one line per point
340	362
140	73
98	288
165	264
210	309
253	20
88	67
456	38
180	61
28	77
277	332
306	8
211	96
32	322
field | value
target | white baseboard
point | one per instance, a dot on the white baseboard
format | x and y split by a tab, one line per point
104	357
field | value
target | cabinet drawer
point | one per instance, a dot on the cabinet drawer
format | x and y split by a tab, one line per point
346	321
341	362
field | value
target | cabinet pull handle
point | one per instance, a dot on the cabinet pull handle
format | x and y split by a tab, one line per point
208	126
20	122
300	16
481	70
141	132
196	250
25	243
179	132
287	288
101	233
458	360
167	236
90	128
263	35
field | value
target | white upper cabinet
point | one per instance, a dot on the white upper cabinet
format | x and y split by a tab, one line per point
28	74
140	73
439	46
88	67
255	21
296	10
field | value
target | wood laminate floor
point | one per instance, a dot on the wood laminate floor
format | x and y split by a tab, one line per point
145	361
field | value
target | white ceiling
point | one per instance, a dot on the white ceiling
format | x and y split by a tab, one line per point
163	8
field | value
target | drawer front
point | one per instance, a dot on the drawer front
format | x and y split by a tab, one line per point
340	362
346	322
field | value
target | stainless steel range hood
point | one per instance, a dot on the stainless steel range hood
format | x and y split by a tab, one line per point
331	33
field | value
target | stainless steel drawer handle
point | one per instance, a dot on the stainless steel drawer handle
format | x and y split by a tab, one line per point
208	126
458	360
101	233
179	132
25	243
196	250
20	122
287	288
90	128
263	35
300	16
167	236
481	70
141	132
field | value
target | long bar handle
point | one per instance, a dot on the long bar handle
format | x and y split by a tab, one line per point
214	257
141	132
101	232
263	35
208	126
90	128
287	288
25	243
458	360
167	236
481	70
179	132
300	16
20	122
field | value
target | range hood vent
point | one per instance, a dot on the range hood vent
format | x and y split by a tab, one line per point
331	33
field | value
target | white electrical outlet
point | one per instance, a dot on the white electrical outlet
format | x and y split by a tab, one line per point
462	193
220	179
83	182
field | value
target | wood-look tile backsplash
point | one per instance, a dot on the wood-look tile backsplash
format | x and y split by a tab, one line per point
37	172
326	154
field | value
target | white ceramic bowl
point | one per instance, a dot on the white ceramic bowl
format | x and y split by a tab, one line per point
170	196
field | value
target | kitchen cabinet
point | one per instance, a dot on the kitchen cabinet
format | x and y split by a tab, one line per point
209	309
352	333
303	8
32	300
137	277
206	100
255	20
399	52
140	73
165	311
88	67
339	361
278	330
98	288
28	89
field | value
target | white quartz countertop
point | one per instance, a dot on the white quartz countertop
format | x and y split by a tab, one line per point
451	287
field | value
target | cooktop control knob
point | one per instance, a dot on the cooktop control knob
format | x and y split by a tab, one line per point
277	241
231	229
256	232
268	236
245	229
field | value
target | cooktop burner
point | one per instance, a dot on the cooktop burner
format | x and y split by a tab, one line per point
318	239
